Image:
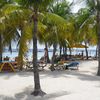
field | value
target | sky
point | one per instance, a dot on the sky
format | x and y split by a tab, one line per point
77	5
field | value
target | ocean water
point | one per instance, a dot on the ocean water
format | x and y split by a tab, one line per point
41	53
29	54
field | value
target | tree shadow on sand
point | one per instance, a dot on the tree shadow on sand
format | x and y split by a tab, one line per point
9	75
43	74
56	74
26	95
85	77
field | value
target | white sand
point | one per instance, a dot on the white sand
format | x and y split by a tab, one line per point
59	85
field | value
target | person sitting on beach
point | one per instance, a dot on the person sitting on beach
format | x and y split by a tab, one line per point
62	60
42	59
6	58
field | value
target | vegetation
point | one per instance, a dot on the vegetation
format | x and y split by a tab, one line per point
94	8
52	23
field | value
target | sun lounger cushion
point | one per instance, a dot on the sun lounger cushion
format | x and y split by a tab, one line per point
72	64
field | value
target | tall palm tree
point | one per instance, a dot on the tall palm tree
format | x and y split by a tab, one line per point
86	24
63	9
8	28
2	17
55	30
94	6
11	21
36	6
98	32
2	3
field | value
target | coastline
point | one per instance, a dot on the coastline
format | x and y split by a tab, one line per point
91	52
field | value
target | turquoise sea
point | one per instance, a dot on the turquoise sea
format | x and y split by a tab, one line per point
41	53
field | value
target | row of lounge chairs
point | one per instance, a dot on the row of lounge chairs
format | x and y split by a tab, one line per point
29	65
61	65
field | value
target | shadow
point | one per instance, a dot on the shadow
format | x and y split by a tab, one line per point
43	74
20	73
82	75
86	77
54	74
26	95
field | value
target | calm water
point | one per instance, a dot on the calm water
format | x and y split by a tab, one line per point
29	54
41	53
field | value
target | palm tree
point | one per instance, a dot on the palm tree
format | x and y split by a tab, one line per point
98	32
3	15
55	30
12	20
85	22
94	7
1	48
2	3
63	9
8	25
36	6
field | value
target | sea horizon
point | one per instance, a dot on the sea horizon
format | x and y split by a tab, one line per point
14	53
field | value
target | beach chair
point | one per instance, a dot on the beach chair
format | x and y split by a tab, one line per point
59	65
16	64
72	65
40	64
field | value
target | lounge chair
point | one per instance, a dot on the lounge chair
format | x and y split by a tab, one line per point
60	65
71	65
41	65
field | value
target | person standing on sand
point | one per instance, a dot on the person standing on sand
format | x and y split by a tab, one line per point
45	55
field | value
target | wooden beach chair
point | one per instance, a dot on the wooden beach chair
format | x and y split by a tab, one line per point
60	65
29	65
6	66
15	63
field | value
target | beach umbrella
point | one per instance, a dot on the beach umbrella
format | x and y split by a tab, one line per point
78	46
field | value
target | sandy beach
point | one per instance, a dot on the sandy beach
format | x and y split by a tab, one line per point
82	84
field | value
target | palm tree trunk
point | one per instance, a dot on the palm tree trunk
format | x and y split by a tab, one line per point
96	56
53	57
98	32
70	52
37	88
60	50
0	47
66	50
63	50
20	62
46	46
86	50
